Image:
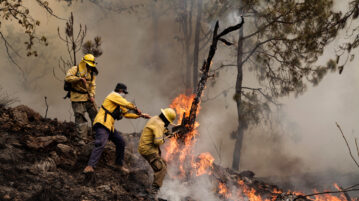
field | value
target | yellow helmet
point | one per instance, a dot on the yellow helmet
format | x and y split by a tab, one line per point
169	113
89	59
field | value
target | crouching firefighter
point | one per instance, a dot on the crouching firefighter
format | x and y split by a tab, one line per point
153	135
114	107
80	84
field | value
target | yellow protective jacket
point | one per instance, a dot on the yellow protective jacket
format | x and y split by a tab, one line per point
152	136
74	79
113	100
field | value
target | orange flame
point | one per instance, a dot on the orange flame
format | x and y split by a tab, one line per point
223	190
183	152
204	164
182	104
188	164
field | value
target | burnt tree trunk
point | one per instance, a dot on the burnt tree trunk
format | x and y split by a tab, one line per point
196	44
238	99
188	123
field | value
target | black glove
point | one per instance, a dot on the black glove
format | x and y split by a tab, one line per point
167	132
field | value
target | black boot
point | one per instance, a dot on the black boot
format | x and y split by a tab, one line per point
153	193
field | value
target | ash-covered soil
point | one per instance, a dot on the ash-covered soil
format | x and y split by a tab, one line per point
41	160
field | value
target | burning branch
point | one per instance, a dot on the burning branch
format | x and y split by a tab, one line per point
326	192
188	123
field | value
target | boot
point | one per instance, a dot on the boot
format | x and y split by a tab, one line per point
125	170
88	169
154	192
119	168
82	133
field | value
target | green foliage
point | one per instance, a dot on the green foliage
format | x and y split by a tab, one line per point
14	12
282	42
290	36
93	47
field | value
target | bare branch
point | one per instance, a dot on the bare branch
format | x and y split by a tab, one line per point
47	107
7	46
217	95
45	5
356	144
223	66
345	139
263	94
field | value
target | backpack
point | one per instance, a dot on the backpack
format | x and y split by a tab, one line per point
68	86
116	114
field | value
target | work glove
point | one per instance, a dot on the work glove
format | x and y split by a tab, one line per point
146	116
168	133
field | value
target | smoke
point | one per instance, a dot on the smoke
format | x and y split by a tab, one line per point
201	189
141	50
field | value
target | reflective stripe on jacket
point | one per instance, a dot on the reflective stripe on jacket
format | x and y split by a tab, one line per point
152	136
77	84
113	100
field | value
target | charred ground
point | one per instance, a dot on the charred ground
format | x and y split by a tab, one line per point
40	160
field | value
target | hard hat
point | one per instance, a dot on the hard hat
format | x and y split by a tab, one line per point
121	86
169	113
89	59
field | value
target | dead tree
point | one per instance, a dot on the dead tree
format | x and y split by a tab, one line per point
188	123
74	43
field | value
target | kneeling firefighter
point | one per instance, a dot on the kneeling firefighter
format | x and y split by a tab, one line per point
114	107
153	135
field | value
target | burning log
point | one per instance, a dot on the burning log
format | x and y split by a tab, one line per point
188	122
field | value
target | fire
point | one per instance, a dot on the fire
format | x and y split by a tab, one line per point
251	193
182	105
244	192
181	152
223	190
204	164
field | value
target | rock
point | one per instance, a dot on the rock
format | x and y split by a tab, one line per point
11	155
42	142
30	113
3	139
43	166
4	117
55	157
20	117
7	197
104	188
66	149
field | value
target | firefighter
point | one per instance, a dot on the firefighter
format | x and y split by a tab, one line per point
153	135
114	107
81	86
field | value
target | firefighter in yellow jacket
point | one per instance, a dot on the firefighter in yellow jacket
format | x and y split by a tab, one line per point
153	135
114	107
82	81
